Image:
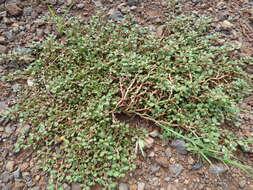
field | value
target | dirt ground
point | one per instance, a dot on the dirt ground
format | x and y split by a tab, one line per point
165	167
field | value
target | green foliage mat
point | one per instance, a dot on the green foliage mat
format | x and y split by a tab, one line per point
184	82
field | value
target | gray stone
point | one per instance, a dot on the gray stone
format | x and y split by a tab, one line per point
17	174
168	152
98	3
13	9
132	3
242	184
196	166
123	186
154	169
28	11
80	6
66	187
3	106
10	166
9	35
115	14
180	146
217	169
175	170
75	186
141	186
6	177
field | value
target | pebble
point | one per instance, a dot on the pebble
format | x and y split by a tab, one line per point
190	160
66	187
123	186
163	161
148	142
115	14
242	184
13	9
154	133
154	169
171	187
141	186
168	152
217	169
98	3
175	170
10	166
18	186
196	166
28	11
17	174
3	106
3	49
226	25
2	40
180	146
132	3
6	177
80	6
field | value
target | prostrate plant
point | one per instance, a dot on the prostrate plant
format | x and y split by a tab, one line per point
183	82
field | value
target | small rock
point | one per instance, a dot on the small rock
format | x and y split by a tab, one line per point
24	166
123	186
9	35
175	170
190	160
17	174
30	82
226	25
18	186
80	6
6	177
132	3
115	14
3	14
10	166
151	154
75	186
217	169
171	187
180	146
168	152
2	40
3	106
3	49
154	133
66	187
196	166
68	2
98	3
242	184
141	186
13	9
28	11
148	142
163	161
37	178
154	169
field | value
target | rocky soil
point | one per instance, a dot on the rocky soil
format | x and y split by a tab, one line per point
167	165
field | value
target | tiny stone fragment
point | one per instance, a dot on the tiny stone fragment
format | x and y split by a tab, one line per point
175	170
123	186
217	169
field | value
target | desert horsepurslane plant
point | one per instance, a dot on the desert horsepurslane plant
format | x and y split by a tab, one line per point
184	82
